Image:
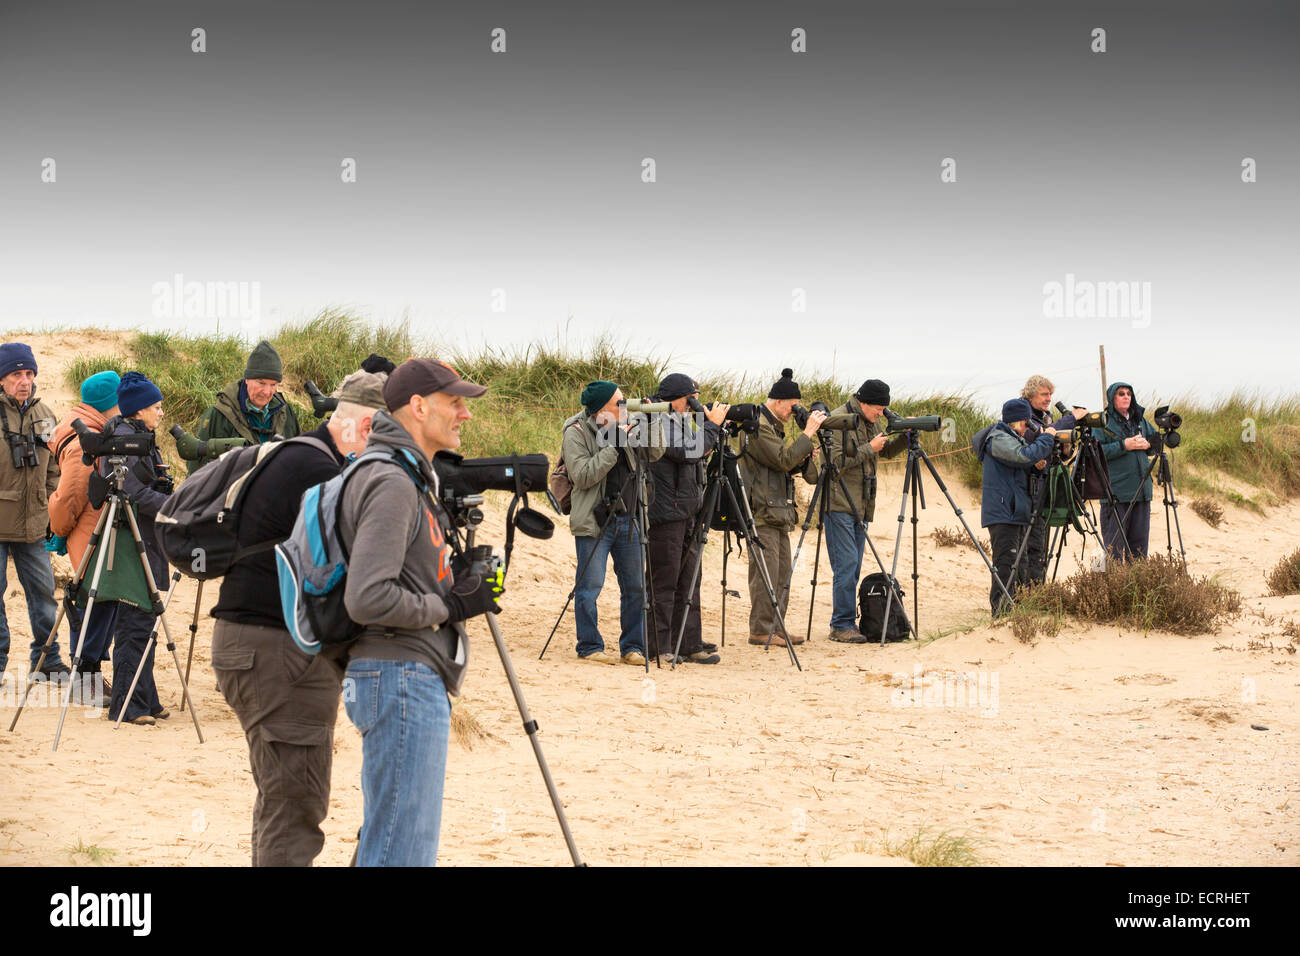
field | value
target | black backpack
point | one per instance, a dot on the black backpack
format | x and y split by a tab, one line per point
873	594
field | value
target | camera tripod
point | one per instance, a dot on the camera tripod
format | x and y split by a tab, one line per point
723	473
820	503
479	559
916	456
113	516
640	474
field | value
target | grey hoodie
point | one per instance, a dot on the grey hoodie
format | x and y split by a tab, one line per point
399	566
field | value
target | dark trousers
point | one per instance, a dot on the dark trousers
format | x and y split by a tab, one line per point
775	553
1005	540
99	633
287	703
1035	559
1137	529
130	643
673	550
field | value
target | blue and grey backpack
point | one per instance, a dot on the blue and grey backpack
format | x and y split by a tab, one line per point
312	563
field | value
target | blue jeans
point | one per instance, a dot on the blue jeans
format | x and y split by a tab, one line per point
845	540
402	711
622	541
34	573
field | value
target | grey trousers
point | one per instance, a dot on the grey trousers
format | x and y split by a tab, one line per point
776	554
287	703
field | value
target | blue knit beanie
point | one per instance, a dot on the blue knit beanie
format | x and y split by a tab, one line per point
1017	410
136	392
15	356
100	390
597	395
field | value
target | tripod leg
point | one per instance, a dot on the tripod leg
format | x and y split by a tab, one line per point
574	590
530	728
741	507
812	596
150	645
162	619
108	538
194	626
908	477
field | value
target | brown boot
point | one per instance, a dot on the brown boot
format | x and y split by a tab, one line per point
762	639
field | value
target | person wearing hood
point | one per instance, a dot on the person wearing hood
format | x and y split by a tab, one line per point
1126	440
29	474
73	518
401	588
148	485
1006	506
287	701
251	408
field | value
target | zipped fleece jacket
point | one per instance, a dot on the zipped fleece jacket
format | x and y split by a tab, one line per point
399	567
25	492
852	453
1007	462
1126	467
588	462
766	468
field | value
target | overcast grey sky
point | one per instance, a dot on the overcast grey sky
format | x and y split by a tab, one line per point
775	171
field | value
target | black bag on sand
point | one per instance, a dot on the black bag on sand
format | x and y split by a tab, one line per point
873	594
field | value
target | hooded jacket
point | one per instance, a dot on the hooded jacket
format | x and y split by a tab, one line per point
767	467
589	460
1007	461
25	492
146	498
71	516
679	474
1127	468
399	567
230	416
852	454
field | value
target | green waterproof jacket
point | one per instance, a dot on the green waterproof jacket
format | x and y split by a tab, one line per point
588	459
1127	468
25	492
768	466
227	418
851	453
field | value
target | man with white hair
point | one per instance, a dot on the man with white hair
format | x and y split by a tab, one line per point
286	701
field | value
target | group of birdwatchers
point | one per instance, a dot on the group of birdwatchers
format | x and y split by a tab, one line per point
410	602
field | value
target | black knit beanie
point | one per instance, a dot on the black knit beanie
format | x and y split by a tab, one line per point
873	392
786	386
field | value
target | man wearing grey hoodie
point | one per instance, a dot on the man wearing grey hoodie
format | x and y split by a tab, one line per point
400	587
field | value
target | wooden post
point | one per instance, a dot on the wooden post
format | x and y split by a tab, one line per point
1101	349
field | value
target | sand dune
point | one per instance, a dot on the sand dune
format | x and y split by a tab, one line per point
1096	747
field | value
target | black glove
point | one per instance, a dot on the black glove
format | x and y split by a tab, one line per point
375	363
471	596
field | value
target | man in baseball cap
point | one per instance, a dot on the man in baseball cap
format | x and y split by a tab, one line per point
412	651
286	701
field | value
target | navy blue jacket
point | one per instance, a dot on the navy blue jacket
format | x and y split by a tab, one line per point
1007	463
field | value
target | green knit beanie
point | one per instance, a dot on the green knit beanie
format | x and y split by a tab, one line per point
597	395
264	362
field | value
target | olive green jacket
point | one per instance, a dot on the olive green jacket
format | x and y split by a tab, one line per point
25	492
588	462
225	419
768	467
851	453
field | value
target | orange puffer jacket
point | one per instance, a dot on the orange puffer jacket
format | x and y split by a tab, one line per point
70	513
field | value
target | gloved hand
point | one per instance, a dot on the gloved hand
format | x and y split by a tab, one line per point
56	544
471	596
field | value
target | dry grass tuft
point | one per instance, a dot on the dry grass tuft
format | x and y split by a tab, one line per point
1285	576
1209	510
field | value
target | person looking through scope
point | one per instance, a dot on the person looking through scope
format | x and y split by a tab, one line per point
768	468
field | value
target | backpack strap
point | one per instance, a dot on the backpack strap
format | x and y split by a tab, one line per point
252	549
